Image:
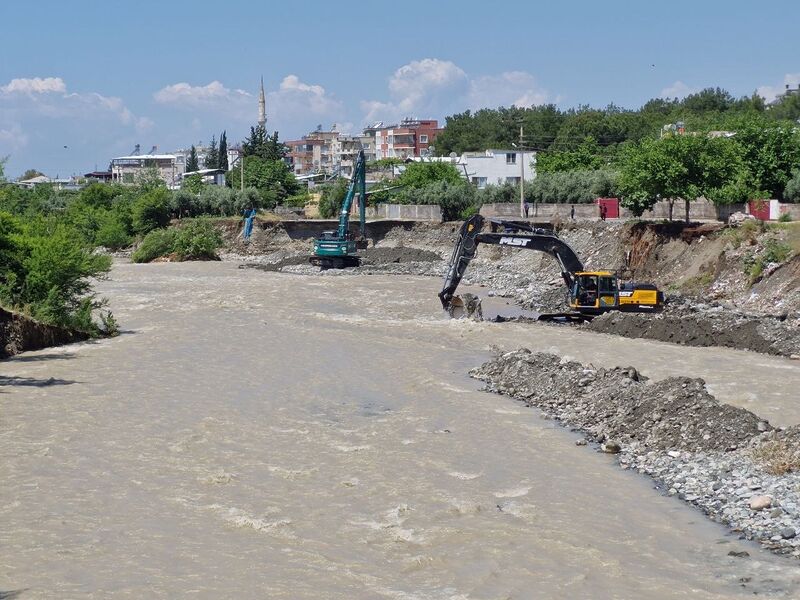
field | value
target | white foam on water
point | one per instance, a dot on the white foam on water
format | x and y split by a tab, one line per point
513	492
291	474
464	476
352	448
507	411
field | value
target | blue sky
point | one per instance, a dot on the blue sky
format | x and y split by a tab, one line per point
99	77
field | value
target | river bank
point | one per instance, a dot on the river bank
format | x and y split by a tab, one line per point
706	271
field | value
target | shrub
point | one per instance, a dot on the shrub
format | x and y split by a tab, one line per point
777	457
785	218
155	244
49	276
332	198
196	240
151	210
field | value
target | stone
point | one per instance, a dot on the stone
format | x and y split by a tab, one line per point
580	442
788	533
739	553
760	502
611	447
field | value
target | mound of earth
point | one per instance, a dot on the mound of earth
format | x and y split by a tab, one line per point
398	254
620	404
703	325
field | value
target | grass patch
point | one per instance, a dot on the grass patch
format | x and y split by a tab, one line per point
777	457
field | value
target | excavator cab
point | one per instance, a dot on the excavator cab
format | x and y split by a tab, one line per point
595	292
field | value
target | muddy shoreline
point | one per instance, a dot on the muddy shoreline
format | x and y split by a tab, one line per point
19	333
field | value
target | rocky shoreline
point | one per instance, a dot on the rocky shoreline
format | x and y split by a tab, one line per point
725	461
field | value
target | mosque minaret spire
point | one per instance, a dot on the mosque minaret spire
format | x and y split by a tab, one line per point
262	106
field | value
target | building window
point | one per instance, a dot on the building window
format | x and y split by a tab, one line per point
127	178
423	139
514	180
511	158
479	182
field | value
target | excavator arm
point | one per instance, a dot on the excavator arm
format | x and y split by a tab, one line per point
514	235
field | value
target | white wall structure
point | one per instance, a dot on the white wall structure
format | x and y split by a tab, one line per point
495	167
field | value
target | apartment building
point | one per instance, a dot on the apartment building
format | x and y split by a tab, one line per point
411	138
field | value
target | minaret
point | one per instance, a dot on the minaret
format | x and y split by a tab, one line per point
262	106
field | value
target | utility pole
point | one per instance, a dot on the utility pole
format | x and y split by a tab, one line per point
521	176
242	159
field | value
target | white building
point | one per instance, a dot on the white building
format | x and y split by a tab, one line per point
496	167
492	167
125	169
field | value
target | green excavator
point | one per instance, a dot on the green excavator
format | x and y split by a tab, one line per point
337	249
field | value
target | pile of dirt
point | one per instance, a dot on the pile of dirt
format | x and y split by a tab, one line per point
396	254
706	325
723	460
621	405
19	333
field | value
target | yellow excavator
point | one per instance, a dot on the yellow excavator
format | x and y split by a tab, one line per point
591	293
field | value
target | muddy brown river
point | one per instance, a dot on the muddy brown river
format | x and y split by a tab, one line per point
263	435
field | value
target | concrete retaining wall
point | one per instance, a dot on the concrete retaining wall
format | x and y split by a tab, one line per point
414	212
701	209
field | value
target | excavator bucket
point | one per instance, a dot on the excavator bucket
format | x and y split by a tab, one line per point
466	306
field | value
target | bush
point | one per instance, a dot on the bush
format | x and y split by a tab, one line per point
47	273
155	244
196	240
151	210
332	197
112	232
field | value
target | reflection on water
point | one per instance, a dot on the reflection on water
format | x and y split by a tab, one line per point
265	435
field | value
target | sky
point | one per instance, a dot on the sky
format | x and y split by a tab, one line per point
84	81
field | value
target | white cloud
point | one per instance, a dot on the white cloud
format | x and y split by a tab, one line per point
45	124
678	90
212	95
432	87
512	88
35	85
48	97
295	98
421	86
290	106
769	93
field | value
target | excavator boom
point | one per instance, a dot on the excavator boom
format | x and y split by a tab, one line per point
514	235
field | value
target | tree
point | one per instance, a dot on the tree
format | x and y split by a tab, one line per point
193	183
151	210
191	162
272	178
30	174
262	145
212	156
223	152
771	153
585	157
677	167
3	160
792	191
420	174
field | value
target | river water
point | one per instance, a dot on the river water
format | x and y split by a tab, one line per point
262	435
